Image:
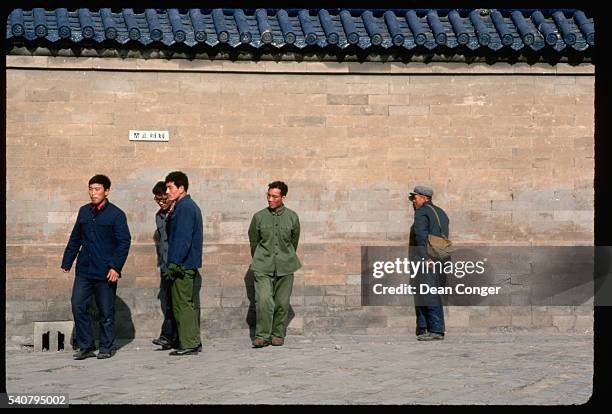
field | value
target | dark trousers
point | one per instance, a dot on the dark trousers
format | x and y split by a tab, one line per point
168	329
430	318
429	310
104	293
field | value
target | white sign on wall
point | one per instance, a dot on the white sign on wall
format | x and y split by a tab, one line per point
161	136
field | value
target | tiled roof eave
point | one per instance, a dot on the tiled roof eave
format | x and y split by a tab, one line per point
490	31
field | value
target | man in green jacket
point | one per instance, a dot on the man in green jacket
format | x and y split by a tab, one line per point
274	233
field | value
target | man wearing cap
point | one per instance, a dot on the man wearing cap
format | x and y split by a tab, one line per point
429	310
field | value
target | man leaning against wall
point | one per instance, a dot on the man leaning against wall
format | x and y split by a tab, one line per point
273	235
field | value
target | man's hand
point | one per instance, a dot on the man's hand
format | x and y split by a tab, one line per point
112	275
175	270
65	270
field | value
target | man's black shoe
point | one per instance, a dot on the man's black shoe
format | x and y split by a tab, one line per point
420	331
432	336
164	343
106	355
186	351
84	353
79	350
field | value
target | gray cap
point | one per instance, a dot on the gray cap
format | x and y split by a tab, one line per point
422	190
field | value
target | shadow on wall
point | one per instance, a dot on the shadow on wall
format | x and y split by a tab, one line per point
251	318
124	326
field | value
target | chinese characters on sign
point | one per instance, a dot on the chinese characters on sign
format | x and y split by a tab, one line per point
161	136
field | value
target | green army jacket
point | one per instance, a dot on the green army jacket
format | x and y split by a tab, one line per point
274	238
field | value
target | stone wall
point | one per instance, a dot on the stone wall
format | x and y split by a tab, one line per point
507	149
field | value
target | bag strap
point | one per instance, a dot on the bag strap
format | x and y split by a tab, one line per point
437	219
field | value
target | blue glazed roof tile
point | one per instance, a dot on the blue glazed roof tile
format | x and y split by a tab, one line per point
473	29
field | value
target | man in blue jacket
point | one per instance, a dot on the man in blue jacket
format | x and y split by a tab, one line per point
185	237
429	310
101	239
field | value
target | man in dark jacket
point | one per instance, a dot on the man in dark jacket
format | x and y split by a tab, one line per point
429	310
168	337
185	237
101	239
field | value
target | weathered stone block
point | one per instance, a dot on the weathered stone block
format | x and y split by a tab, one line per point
53	335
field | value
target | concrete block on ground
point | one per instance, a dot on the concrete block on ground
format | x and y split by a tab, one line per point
59	335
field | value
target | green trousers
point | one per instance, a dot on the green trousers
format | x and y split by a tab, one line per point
185	312
272	295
